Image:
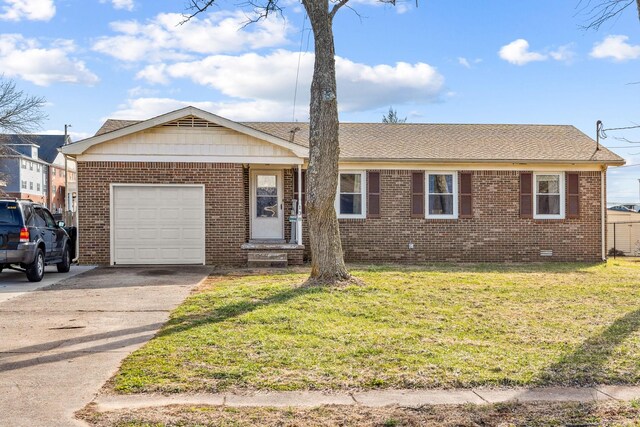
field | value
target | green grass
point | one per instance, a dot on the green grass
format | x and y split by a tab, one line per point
420	327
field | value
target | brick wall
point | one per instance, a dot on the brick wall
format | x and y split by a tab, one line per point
495	233
225	204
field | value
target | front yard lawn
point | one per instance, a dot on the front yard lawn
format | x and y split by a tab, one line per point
405	327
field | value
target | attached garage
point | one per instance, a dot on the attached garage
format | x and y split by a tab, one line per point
157	224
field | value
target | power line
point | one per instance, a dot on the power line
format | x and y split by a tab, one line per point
295	92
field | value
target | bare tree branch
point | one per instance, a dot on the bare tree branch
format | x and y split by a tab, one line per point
19	113
605	10
261	9
337	7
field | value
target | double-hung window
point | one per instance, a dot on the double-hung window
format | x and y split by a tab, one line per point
350	198
548	198
442	196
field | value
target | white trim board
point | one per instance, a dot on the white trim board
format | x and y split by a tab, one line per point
80	147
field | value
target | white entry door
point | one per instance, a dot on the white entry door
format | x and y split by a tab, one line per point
157	224
267	221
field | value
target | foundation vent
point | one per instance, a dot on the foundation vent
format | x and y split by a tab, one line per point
191	122
546	252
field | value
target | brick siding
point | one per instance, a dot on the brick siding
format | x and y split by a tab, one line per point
225	204
495	233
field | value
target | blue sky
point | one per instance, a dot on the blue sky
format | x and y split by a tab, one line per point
465	62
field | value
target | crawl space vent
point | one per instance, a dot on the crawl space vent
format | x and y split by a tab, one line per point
546	252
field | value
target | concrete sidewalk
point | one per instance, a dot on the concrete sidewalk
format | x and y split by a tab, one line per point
378	398
60	344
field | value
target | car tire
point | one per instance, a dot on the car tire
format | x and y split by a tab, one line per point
35	270
65	265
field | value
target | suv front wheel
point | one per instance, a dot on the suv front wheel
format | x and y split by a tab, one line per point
64	265
35	270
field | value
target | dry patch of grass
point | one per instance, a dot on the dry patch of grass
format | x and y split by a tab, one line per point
402	327
508	414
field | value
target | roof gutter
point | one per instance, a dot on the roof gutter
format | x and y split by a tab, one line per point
509	161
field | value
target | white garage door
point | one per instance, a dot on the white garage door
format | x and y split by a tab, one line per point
158	224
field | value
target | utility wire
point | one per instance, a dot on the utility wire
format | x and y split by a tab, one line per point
295	92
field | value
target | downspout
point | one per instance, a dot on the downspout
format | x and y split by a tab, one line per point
603	208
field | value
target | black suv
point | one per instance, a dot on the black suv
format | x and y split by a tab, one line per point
30	239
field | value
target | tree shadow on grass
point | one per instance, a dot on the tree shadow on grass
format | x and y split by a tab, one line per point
485	267
236	309
586	365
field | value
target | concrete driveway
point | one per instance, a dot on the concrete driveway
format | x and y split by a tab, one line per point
14	283
60	344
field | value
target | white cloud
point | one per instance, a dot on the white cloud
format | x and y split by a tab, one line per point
464	62
517	52
145	108
32	10
121	4
162	38
617	48
468	63
564	53
27	59
272	77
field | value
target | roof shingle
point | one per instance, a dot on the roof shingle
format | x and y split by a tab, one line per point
443	142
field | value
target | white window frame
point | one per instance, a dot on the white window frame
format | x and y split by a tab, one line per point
454	215
561	178
363	194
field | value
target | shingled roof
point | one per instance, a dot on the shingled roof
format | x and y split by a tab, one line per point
48	145
443	142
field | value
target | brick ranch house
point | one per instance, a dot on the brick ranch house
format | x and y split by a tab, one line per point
190	187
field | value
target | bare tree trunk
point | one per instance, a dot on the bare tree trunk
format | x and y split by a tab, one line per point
327	263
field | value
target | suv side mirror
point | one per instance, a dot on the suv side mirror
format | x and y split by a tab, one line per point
60	224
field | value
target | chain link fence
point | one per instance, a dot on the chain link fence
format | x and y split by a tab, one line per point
623	239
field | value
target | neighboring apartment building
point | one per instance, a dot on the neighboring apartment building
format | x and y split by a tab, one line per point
33	168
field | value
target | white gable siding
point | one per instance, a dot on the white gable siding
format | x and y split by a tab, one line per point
164	143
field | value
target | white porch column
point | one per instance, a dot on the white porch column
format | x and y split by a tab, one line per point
299	222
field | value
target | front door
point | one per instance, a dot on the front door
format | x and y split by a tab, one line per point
266	205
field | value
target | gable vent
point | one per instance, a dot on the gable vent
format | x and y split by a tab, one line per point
191	122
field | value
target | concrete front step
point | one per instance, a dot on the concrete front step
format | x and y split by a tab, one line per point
267	259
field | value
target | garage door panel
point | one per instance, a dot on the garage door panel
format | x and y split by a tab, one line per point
158	224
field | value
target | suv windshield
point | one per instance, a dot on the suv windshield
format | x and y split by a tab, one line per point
9	213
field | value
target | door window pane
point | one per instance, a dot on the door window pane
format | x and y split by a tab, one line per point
266	196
